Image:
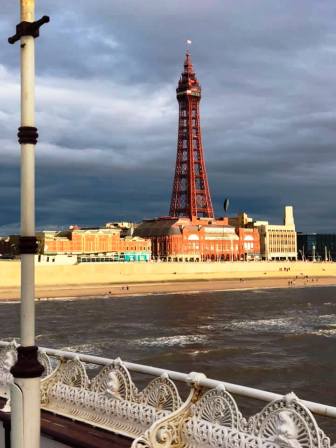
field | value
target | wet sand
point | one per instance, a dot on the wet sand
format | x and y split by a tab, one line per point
181	287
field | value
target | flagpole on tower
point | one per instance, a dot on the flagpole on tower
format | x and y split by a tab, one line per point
188	44
25	391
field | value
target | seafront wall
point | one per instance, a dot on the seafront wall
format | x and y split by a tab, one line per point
109	273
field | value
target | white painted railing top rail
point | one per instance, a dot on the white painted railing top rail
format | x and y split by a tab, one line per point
156	416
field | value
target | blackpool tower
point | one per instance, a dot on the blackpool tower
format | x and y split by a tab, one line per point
191	196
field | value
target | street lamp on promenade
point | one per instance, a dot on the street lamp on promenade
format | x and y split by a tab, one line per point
226	205
25	391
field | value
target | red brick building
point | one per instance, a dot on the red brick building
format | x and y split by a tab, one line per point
94	242
200	239
249	243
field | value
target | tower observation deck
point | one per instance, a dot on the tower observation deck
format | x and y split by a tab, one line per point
191	195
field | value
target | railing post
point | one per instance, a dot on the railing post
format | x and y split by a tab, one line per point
25	394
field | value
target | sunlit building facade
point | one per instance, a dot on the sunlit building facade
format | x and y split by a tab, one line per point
98	244
200	239
277	242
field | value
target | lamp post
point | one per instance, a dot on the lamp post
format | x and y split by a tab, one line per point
25	391
226	205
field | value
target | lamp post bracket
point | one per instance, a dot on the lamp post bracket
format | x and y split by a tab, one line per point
28	29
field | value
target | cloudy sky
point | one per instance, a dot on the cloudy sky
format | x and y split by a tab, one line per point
107	112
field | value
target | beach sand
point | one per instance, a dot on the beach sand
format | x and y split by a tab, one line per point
157	288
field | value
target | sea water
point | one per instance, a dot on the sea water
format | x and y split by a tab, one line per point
280	340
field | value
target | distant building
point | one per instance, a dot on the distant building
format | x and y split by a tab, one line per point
82	245
126	227
7	250
241	220
249	243
316	246
97	244
200	239
277	242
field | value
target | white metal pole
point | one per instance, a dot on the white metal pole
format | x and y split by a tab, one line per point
25	394
27	177
30	386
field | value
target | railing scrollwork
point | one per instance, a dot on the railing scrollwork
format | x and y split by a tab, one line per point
156	416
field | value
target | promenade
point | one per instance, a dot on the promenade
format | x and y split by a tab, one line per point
117	279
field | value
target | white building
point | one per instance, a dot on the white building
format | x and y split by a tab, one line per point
278	242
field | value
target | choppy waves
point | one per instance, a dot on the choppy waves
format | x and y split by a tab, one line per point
170	341
323	325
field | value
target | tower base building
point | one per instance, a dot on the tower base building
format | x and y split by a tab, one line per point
200	239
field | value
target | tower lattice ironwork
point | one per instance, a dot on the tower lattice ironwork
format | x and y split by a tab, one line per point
191	194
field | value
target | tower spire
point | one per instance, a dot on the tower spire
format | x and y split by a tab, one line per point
190	195
188	67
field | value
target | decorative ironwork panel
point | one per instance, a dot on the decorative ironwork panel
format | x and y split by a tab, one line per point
219	407
156	417
115	380
162	394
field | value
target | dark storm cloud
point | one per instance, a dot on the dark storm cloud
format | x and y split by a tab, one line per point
107	112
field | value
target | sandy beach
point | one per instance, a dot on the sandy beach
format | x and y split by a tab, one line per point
181	287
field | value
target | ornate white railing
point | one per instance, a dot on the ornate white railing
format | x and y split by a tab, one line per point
156	416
